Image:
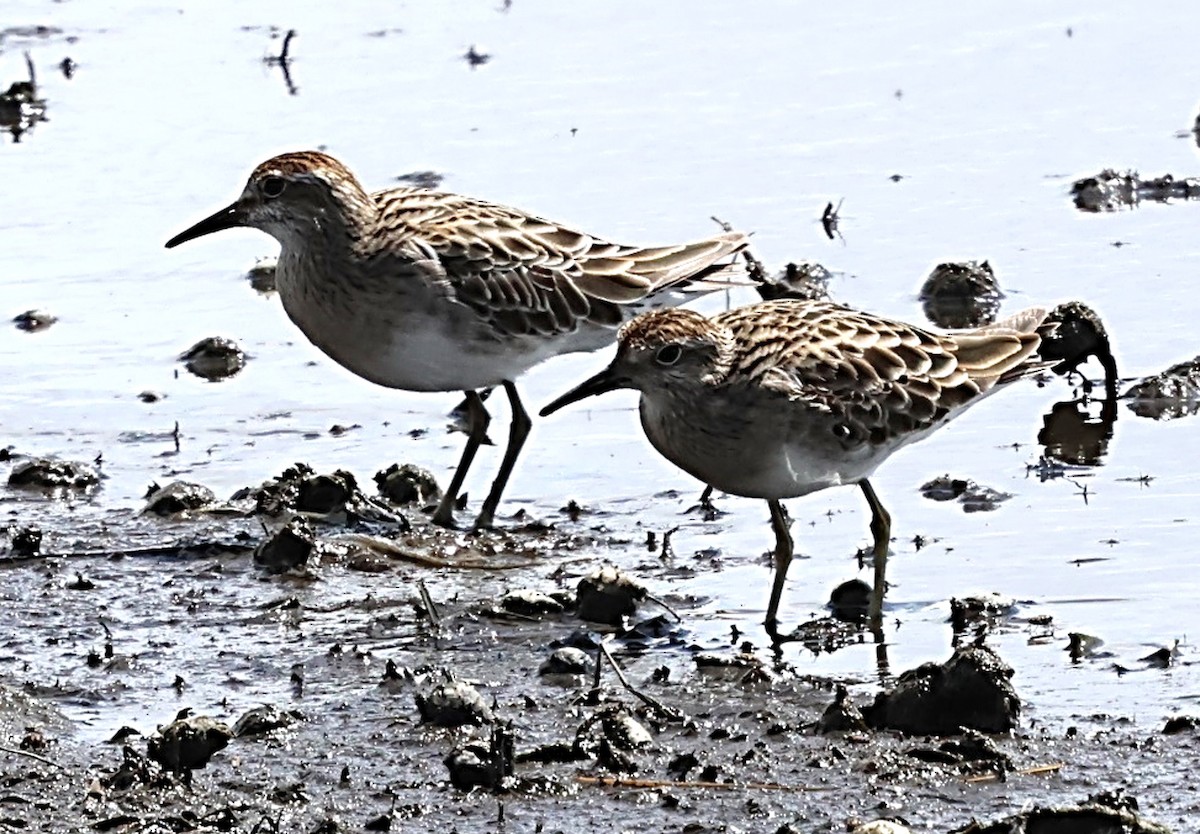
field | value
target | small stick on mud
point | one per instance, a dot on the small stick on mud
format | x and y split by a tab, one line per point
665	607
284	61
1039	770
32	76
435	619
17	751
618	782
758	272
671	713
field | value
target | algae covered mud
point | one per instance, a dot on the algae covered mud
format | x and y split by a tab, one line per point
330	671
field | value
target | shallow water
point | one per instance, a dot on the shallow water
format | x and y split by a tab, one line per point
637	122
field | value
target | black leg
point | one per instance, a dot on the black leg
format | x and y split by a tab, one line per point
519	430
783	558
881	529
477	423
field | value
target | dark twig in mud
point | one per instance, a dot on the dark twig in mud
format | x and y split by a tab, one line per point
435	619
663	605
758	273
619	782
670	713
32	76
667	551
17	751
1029	771
284	61
829	221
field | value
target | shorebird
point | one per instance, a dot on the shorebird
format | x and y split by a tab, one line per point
424	290
784	398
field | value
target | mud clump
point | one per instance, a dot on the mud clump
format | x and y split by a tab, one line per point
1079	335
453	705
262	720
973	497
806	281
972	690
1168	395
489	766
214	358
842	716
332	498
1112	190
188	743
1105	813
287	549
178	497
20	105
408	484
262	276
32	321
608	596
961	294
25	541
54	476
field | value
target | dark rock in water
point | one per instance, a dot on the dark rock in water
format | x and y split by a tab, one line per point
1080	335
31	321
407	484
325	494
188	743
178	497
214	358
52	475
567	661
608	596
421	179
979	610
961	294
849	601
287	548
973	497
1181	724
1109	813
262	276
842	716
806	281
1074	433
489	766
20	106
527	602
1111	190
972	690
453	705
1169	395
971	752
25	541
334	498
262	720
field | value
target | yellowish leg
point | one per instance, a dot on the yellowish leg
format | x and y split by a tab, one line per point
477	423
784	549
881	529
521	424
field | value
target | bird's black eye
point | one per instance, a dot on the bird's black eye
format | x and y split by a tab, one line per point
272	187
668	354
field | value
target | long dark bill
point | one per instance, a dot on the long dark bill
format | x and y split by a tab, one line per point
226	218
603	382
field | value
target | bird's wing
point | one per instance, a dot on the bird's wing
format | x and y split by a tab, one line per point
527	275
878	377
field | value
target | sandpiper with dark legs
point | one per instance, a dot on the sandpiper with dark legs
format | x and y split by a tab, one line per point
428	291
783	398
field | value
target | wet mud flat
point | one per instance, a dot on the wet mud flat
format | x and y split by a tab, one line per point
305	656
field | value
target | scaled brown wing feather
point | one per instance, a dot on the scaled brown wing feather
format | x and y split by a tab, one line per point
877	376
530	275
